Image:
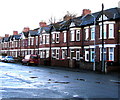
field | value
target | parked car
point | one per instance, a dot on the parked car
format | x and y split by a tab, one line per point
9	59
2	58
31	59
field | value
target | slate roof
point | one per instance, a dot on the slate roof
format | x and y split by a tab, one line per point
6	39
112	14
16	37
46	29
33	33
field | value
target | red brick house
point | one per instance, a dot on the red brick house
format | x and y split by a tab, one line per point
71	41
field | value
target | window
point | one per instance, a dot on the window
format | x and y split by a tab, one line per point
36	40
53	53
63	53
77	35
92	33
71	54
16	43
104	28
47	39
72	35
57	37
111	54
77	55
47	53
64	36
53	38
86	55
28	41
111	30
104	54
86	34
43	39
57	54
92	55
32	41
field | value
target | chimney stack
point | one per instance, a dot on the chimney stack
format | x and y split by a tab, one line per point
85	12
6	35
15	32
26	29
42	24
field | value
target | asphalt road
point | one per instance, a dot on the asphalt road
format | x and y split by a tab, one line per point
28	82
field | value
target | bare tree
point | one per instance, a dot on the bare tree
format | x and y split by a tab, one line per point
52	20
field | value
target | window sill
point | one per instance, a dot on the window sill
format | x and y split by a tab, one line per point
111	38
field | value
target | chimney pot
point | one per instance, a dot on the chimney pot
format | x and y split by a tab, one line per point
42	24
6	35
15	32
85	12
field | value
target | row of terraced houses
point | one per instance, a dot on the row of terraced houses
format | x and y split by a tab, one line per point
70	42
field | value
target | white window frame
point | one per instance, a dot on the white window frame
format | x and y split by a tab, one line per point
92	53
47	39
72	35
53	53
32	41
57	37
86	33
86	53
111	30
63	53
43	39
111	53
53	37
78	55
77	35
65	39
105	31
28	41
36	40
92	33
71	51
105	53
47	53
57	53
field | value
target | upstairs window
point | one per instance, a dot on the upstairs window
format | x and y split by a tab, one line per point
32	41
57	37
72	36
64	36
77	35
104	28
53	38
93	33
43	39
111	30
36	40
47	39
104	54
28	41
86	34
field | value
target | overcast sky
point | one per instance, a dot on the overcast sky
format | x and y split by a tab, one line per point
17	14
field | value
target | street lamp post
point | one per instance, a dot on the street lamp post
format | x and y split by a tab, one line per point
103	66
94	66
